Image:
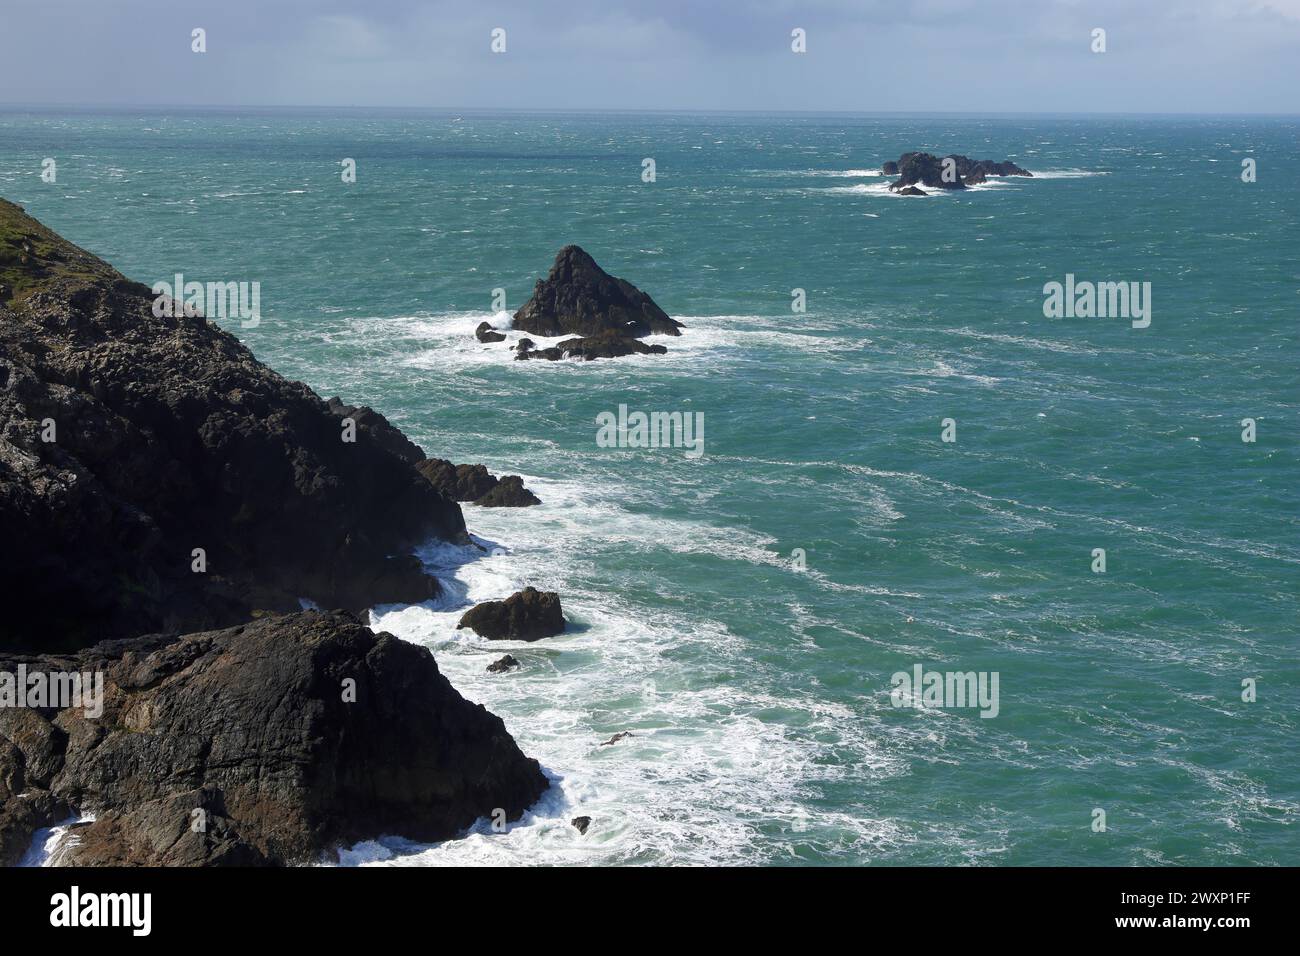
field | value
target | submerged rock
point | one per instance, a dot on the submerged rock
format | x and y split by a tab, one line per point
617	737
501	665
526	615
291	736
604	345
578	297
912	191
154	476
581	824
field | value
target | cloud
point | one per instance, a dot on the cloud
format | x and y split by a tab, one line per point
922	55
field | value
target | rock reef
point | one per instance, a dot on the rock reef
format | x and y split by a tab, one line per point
925	169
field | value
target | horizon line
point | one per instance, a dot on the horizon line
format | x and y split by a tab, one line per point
575	110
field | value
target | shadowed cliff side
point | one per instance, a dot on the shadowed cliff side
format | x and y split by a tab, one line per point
127	441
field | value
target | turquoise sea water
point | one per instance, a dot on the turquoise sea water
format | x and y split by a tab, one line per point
758	694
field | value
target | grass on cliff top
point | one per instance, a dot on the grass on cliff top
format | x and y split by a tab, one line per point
33	257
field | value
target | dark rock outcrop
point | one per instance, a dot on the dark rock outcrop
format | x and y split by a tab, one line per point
476	484
509	492
580	298
293	735
617	737
503	664
526	615
128	440
580	824
485	333
926	169
912	191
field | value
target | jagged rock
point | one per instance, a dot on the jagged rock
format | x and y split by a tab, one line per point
475	483
294	735
525	344
580	824
526	615
509	492
485	333
890	168
502	665
171	436
457	482
578	297
912	191
617	737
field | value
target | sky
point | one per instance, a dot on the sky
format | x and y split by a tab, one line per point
909	56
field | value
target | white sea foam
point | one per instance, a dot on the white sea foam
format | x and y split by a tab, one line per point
709	776
48	839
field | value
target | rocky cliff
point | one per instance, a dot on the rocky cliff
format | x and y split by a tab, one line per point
128	441
155	479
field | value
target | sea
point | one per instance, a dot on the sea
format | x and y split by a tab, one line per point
908	465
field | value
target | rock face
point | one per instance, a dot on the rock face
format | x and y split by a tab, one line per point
526	615
580	298
127	441
476	484
926	169
294	735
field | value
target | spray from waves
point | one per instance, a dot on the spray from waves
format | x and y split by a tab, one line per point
47	840
832	173
1067	173
882	189
716	771
445	342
